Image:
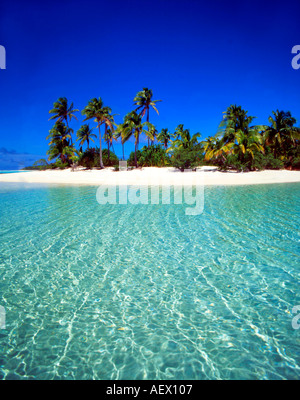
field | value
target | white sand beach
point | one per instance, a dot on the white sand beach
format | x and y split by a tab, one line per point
152	176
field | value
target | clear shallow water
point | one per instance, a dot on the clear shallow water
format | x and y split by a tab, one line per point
11	171
147	292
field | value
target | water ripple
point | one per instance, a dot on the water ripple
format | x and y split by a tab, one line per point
146	292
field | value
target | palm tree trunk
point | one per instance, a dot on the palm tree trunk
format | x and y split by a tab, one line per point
68	130
108	143
100	153
275	150
123	151
152	142
135	156
135	150
148	121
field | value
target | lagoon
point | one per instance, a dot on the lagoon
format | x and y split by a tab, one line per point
140	291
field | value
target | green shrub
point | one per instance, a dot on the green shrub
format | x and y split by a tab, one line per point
108	162
90	158
296	163
131	158
259	162
39	165
52	166
152	156
266	161
87	158
232	162
275	163
59	164
184	159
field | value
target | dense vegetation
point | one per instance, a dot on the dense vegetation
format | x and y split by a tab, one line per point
245	147
238	144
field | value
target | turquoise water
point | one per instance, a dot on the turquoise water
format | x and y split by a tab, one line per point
145	291
11	172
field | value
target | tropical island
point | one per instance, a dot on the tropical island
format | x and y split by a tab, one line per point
239	153
238	144
154	235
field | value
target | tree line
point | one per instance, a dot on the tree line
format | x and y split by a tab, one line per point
238	143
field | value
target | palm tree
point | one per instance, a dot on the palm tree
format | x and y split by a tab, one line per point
234	119
143	101
214	148
153	132
62	111
238	137
185	148
60	146
84	134
184	139
133	126
109	136
95	109
282	134
177	133
247	143
164	137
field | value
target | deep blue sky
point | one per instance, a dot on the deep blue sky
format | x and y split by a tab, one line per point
197	56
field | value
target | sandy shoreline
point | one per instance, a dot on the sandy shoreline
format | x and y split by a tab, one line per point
152	176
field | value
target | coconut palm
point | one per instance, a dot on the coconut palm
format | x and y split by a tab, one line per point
282	134
238	138
102	115
185	149
133	126
247	143
177	133
214	148
109	136
184	139
60	138
143	101
63	112
164	137
209	145
234	119
153	132
84	134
